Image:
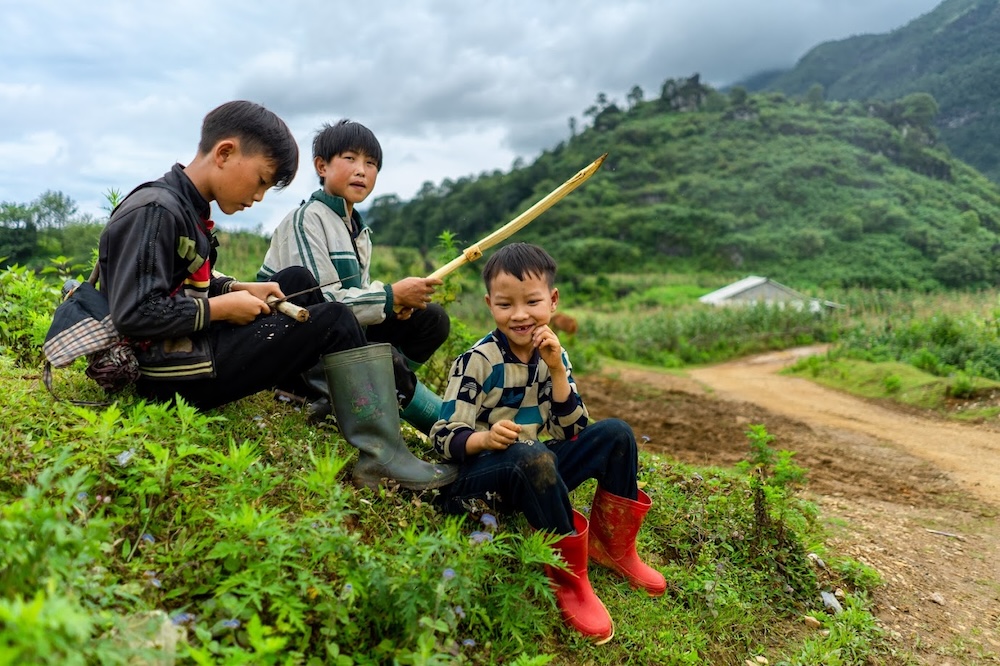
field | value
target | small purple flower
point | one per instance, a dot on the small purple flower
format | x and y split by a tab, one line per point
489	521
231	624
148	538
460	612
480	537
183	618
469	643
348	588
448	573
106	499
646	438
82	497
155	582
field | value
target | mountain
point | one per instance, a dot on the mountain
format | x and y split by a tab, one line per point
805	192
952	53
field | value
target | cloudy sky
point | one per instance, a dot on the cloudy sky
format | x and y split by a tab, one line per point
105	94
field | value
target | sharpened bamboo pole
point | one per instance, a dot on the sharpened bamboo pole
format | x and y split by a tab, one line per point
475	251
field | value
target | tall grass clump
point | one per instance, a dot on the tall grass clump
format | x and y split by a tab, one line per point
704	334
940	344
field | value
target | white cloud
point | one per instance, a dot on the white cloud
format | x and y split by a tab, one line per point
35	149
108	94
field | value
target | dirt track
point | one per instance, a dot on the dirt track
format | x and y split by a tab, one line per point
915	497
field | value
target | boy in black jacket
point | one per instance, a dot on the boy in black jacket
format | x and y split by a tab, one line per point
211	339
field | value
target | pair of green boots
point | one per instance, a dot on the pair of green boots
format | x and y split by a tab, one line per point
362	391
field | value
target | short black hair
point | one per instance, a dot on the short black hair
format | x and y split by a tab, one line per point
345	135
520	260
260	132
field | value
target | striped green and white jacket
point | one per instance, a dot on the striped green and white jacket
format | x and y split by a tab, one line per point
318	235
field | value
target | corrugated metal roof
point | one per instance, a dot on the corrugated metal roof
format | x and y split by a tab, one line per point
747	283
731	292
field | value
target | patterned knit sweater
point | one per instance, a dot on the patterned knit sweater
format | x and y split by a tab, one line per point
489	383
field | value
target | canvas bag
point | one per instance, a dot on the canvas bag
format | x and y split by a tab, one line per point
82	326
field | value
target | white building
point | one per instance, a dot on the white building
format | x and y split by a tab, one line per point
752	290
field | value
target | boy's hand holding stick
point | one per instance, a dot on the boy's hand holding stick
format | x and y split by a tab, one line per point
294	311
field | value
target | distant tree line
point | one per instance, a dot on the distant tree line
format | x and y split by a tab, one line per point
47	227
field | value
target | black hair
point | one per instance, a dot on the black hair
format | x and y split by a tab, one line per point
345	135
520	260
260	132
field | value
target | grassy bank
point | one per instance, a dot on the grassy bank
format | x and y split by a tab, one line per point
234	537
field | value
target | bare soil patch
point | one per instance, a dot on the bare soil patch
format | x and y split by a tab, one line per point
912	495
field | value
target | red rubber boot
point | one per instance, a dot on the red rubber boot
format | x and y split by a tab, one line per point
580	607
614	524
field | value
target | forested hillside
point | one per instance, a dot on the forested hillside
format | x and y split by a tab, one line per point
805	191
952	53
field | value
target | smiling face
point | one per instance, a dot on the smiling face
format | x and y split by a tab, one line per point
241	179
350	175
519	307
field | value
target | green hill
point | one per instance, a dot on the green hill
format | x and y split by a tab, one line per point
808	193
952	53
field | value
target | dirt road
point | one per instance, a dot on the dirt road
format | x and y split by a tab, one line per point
913	496
970	455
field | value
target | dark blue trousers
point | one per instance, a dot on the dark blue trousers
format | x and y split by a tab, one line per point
536	478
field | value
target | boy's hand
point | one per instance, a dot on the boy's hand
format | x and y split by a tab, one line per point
237	307
501	435
262	290
414	292
549	347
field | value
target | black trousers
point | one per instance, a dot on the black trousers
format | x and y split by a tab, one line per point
417	337
271	350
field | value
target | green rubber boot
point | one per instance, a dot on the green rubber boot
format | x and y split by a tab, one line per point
363	394
423	410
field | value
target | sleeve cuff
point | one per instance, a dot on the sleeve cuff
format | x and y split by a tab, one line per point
389	302
456	448
566	408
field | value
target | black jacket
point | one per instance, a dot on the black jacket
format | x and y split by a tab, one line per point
153	271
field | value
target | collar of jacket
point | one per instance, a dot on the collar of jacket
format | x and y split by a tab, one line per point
338	206
178	179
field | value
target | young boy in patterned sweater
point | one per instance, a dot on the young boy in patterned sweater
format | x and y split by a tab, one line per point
504	393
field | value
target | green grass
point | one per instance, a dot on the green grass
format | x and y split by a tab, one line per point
898	382
237	533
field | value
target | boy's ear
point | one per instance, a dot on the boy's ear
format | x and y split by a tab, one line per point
320	165
555	298
225	149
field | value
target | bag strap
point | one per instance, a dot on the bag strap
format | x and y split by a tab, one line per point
47	380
